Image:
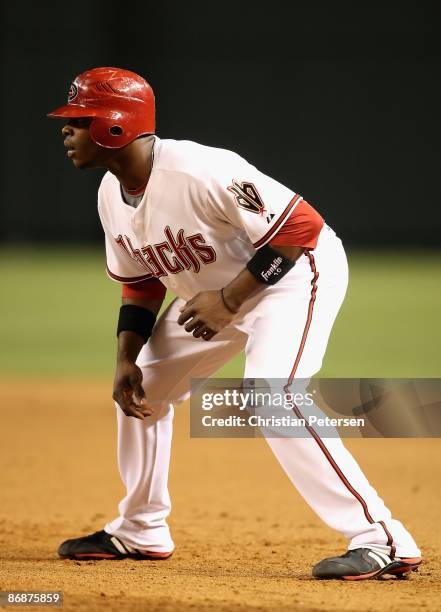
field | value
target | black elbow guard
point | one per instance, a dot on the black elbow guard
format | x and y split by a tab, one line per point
136	319
268	266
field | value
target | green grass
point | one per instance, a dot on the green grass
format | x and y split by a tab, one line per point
389	324
59	310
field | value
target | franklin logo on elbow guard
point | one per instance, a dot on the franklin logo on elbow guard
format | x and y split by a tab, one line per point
274	269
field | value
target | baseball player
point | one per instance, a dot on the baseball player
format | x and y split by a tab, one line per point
254	268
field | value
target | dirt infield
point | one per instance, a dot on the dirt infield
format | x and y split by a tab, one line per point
245	539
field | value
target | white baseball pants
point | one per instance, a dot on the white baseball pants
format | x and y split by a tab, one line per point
284	331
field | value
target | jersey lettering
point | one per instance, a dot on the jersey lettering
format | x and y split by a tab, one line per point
153	262
134	253
185	253
205	252
174	266
182	250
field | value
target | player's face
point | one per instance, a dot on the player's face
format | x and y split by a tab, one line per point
81	149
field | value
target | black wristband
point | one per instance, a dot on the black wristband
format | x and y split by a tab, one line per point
136	319
268	266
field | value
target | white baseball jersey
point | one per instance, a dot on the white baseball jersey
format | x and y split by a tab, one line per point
204	213
202	216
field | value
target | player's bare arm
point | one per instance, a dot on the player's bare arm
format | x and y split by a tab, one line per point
208	312
127	387
244	285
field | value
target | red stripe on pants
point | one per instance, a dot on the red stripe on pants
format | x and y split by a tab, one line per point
314	434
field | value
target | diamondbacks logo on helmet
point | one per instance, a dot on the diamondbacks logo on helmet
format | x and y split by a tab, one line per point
73	92
247	197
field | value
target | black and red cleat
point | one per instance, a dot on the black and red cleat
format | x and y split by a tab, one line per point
101	545
364	564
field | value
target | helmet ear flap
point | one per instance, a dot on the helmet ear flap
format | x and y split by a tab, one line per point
109	133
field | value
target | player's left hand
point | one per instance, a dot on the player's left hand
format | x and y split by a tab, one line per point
206	315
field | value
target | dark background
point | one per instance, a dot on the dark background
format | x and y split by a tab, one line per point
339	101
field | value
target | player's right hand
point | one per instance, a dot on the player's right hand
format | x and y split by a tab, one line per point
128	392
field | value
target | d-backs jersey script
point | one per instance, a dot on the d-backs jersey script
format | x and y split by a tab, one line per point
202	216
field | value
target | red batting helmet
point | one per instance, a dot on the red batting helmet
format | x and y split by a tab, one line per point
120	103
